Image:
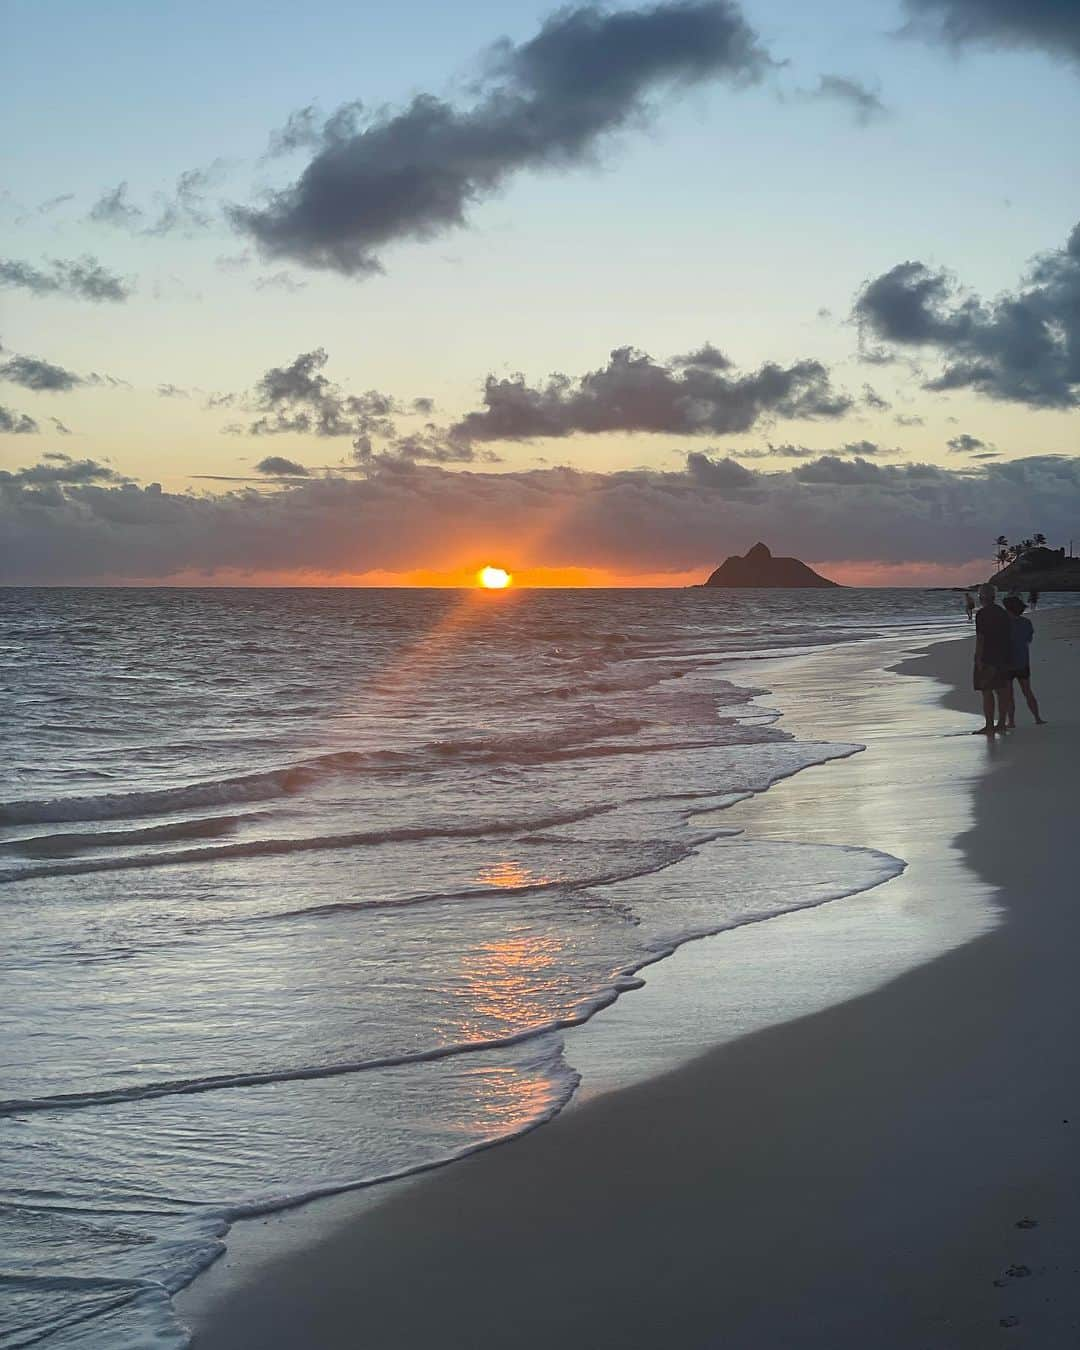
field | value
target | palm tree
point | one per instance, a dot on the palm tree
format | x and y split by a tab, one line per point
1039	540
1001	544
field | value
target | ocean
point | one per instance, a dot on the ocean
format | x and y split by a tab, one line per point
301	888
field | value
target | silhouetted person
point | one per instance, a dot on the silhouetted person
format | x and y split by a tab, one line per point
993	639
1033	599
1020	660
969	605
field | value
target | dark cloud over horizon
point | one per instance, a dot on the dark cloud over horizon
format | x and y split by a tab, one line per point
693	395
59	469
545	103
66	519
82	278
1023	347
860	449
1051	26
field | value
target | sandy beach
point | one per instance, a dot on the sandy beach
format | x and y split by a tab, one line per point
897	1169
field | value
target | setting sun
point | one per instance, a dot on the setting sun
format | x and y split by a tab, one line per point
493	578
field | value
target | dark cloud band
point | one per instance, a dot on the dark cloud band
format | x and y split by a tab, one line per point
1052	26
1023	347
694	395
64	519
544	104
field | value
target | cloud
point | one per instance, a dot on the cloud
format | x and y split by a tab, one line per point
770	451
694	395
183	209
865	105
543	104
17	424
707	357
279	281
171	391
872	399
48	206
61	429
723	474
401	518
114	208
833	469
864	449
964	444
57	468
1023	347
307	129
432	445
301	399
232	262
278	467
186	208
83	278
909	420
40	376
1051	26
45	377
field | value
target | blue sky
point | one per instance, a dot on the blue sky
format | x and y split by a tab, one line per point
749	218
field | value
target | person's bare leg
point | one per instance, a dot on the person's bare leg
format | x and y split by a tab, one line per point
988	714
1004	706
1032	701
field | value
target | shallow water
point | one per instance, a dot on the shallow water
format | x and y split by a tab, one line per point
300	886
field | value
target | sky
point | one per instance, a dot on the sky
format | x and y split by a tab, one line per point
600	293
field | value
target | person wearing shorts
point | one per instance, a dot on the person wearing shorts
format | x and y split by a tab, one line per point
993	639
1020	660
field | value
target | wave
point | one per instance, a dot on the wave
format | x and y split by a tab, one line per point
667	855
210	1225
291	779
49	845
256	848
249	787
627	978
186	1087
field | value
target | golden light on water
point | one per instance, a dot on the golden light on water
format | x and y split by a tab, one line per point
509	876
493	578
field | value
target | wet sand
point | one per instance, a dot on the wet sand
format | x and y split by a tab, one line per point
852	1177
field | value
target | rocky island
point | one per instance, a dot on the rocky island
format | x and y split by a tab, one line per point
758	567
1039	569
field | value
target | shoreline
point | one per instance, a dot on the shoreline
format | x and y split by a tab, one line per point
307	1283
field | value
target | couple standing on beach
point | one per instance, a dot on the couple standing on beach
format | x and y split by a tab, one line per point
1002	642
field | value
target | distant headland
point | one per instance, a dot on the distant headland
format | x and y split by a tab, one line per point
1031	566
758	567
